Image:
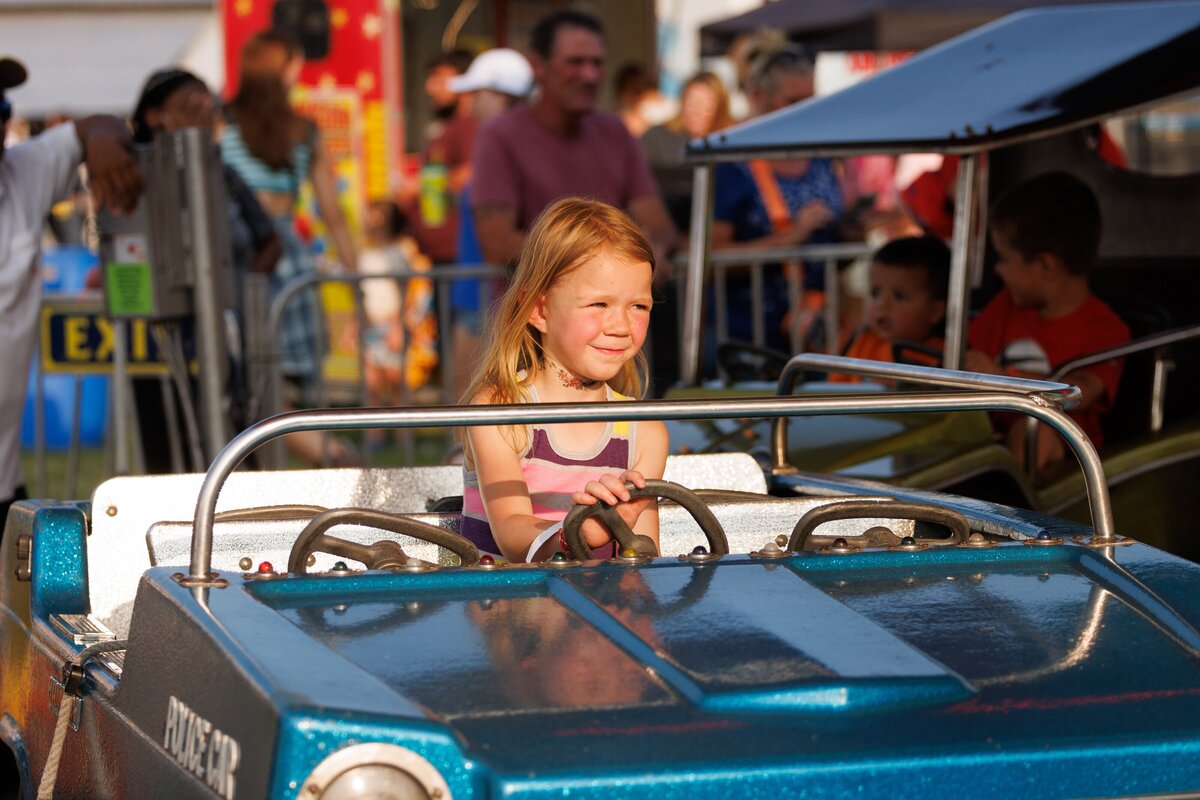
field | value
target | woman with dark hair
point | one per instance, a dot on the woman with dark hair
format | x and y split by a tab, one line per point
171	100
275	150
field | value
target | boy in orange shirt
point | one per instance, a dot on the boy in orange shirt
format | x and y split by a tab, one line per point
1046	233
906	303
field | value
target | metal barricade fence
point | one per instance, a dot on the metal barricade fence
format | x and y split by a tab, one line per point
262	330
77	340
267	395
722	263
265	356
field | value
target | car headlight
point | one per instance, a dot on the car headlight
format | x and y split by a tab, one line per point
375	771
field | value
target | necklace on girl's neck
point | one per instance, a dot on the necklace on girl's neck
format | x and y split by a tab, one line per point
569	381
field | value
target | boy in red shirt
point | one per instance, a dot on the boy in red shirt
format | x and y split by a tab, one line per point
1046	232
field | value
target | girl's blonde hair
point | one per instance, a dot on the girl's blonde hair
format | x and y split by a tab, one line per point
568	233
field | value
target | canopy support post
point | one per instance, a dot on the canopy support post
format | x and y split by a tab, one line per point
698	247
965	203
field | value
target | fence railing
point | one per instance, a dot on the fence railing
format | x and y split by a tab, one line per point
268	397
262	349
724	263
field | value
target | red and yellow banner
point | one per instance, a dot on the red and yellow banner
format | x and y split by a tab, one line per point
353	91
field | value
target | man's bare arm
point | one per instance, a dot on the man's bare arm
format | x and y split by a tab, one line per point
651	216
496	228
114	175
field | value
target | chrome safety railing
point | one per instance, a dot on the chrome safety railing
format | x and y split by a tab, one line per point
1043	401
721	263
1158	386
1035	404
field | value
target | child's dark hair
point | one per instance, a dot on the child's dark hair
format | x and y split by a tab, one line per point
541	41
928	253
633	78
457	60
158	87
396	222
1054	213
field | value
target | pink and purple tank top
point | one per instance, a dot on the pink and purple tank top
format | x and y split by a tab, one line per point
553	474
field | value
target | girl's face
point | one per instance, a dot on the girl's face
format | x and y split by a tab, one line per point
594	319
697	109
900	306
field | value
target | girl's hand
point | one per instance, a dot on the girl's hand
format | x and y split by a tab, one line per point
611	489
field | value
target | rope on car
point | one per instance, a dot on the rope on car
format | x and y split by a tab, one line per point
72	680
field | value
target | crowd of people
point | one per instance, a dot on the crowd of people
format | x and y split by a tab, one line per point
512	136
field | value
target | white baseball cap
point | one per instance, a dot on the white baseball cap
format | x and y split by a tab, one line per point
501	70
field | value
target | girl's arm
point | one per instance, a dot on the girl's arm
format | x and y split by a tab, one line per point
642	514
506	496
323	187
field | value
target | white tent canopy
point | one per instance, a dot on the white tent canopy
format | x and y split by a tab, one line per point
84	61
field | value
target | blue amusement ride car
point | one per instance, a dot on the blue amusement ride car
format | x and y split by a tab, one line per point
800	635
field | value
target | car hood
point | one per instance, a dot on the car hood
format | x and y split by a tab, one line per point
868	657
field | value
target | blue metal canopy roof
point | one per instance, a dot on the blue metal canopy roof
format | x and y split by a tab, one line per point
1029	74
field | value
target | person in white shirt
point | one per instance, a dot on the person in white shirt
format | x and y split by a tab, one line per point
33	175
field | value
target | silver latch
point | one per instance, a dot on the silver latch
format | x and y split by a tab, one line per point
83	629
24	546
57	700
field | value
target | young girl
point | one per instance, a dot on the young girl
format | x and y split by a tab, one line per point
569	329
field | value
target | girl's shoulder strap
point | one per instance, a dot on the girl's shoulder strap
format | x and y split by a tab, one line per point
613	394
622	428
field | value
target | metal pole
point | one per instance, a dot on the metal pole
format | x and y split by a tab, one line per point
833	307
757	311
795	301
698	247
196	149
122	401
446	327
1158	391
980	233
360	319
956	297
720	307
72	477
405	395
174	422
39	427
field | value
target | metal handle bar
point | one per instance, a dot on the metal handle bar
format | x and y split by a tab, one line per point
449	416
1060	395
803	252
1063	395
1140	345
300	282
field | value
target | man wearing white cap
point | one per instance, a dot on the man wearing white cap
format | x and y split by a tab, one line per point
559	145
33	175
497	79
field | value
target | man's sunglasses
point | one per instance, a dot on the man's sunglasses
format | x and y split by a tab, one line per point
5	111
